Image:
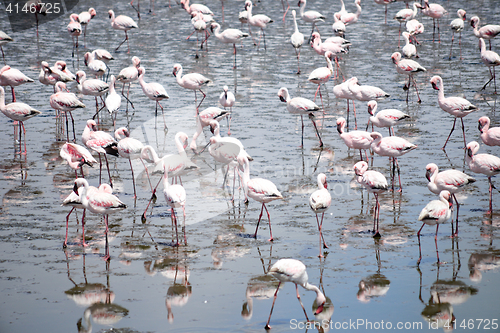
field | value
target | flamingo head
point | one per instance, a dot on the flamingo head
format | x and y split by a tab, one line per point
248	4
177	68
360	168
447	196
396	57
111	13
429	170
474	21
122	133
340	125
79	182
472	148
300	3
213	125
214	26
92	13
184	139
435	82
86	57
141	70
462	14
80	76
136	61
83	161
371	106
482	122
282	94
322	179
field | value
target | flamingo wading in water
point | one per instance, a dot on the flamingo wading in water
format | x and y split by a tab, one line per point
319	201
123	23
407	67
192	81
489	136
260	21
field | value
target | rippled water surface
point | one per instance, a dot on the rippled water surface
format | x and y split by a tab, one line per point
217	281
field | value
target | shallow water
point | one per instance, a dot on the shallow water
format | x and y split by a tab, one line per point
216	282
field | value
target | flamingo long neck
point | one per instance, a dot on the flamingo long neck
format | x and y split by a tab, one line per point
217	129
112	86
2	100
329	64
358	12
165	180
483	45
312	287
217	31
342	6
152	153
415	10
83	194
141	80
295	23
246	174
178	144
178	76
249	12
441	91
302	8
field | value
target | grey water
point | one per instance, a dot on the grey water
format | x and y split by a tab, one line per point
217	281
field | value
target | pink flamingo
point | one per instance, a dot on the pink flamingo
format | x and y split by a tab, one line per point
76	156
74	29
450	180
225	153
98	67
490	59
486	164
227	100
435	11
129	75
488	32
4	39
319	201
297	39
175	195
322	48
302	106
229	36
258	189
103	55
113	101
92	87
375	183
155	92
457	25
192	81
101	142
354	139
351	18
84	19
13	77
260	21
50	75
195	8
293	270
214	124
203	119
392	147
384	118
200	26
409	50
61	66
435	212
489	136
124	23
385	3
66	102
414	28
18	112
342	91
456	106
405	15
338	26
311	16
365	93
322	75
99	202
407	67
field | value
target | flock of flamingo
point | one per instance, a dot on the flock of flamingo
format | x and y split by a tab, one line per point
230	151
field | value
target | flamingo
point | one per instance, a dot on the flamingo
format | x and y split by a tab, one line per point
409	50
338	26
488	32
105	56
322	48
258	189
365	93
229	36
195	8
18	112
98	67
385	3
203	119
60	65
154	91
113	100
66	102
84	19
74	29
490	59
302	106
375	183
457	25
13	77
320	201
227	100
129	75
101	142
192	81
351	18
384	118
456	106
354	139
322	75
124	23
393	147
414	27
435	11
408	67
98	202
4	39
311	16
405	15
175	196
486	164
489	136
435	212
293	270
225	153
92	87
214	124
76	156
450	180
260	21
200	26
342	91
50	75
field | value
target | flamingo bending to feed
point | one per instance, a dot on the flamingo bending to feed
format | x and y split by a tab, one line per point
457	25
491	60
322	75
384	118
489	136
488	32
435	212
175	195
319	201
354	139
260	21
293	270
302	106
311	16
407	67
203	120
486	164
154	91
13	77
66	102
76	156
74	29
456	106
450	180
18	112
375	183
229	36
258	189
123	23
98	202
192	81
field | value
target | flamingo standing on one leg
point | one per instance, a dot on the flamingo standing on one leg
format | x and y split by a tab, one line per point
407	67
293	270
375	183
457	25
322	75
155	92
175	195
354	139
384	118
435	212
297	40
456	106
123	23
319	201
260	21
490	59
489	136
486	164
192	81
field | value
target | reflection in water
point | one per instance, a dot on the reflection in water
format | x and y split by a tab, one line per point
483	261
228	248
374	285
259	287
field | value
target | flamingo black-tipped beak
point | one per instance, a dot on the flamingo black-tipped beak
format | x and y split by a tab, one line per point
319	309
434	86
480	127
75	188
282	99
469	152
